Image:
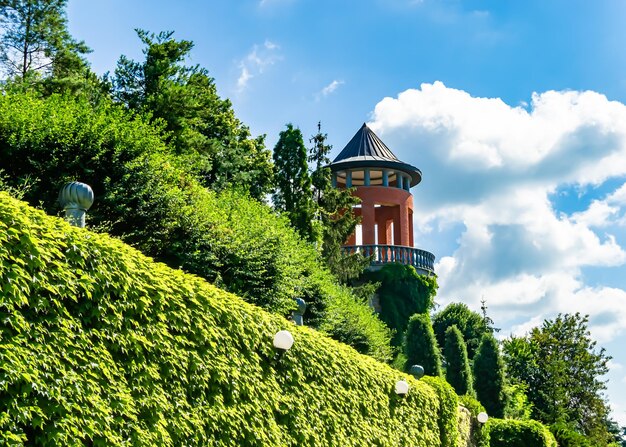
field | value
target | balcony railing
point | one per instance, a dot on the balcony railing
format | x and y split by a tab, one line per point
383	254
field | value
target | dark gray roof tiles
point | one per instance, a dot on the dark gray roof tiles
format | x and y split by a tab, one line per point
365	149
366	144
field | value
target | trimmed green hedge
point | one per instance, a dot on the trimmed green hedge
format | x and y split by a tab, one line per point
153	200
513	433
99	345
447	411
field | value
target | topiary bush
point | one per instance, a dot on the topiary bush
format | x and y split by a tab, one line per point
458	372
153	199
101	346
512	433
447	411
420	346
489	376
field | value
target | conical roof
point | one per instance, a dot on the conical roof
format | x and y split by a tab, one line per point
366	150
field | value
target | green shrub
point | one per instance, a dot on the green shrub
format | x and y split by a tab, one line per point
152	199
421	347
101	346
447	412
489	376
458	372
512	433
402	293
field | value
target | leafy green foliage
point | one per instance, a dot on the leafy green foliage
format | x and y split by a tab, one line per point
99	345
458	372
448	409
471	324
421	347
331	205
517	404
567	436
512	433
479	435
35	42
147	196
563	370
402	293
293	183
200	125
489	376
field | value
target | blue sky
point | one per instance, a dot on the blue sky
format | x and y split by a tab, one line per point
514	111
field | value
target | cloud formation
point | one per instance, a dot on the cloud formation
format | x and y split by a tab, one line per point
256	62
330	88
490	170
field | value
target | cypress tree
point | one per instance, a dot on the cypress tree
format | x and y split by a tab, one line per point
489	376
458	372
421	346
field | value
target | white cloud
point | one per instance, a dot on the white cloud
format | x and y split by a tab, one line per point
330	88
490	169
256	62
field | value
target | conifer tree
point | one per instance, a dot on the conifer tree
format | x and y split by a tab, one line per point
421	346
489	376
293	182
35	39
331	205
458	372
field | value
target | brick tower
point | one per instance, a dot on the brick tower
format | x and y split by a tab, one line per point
383	183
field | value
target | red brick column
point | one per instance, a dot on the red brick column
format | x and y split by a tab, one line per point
368	212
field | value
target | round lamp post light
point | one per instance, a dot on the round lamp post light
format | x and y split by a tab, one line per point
283	340
417	371
402	388
482	417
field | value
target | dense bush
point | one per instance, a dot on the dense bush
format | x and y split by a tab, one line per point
102	346
512	433
471	324
458	372
489	376
447	411
421	347
151	199
402	293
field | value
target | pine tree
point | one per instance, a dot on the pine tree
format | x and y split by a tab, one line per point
332	212
421	346
489	376
293	182
35	40
458	372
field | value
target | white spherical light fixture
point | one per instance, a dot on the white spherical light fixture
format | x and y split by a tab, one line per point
283	340
402	388
482	417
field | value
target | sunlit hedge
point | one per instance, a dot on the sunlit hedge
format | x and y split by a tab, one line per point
513	433
99	345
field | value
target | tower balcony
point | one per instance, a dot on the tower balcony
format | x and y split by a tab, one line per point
423	261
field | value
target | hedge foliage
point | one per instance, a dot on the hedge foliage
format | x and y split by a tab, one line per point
447	411
153	199
420	346
100	345
402	293
513	433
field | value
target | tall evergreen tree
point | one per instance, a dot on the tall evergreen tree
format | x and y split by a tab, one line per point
458	372
293	183
489	376
199	124
470	323
35	40
421	346
332	212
